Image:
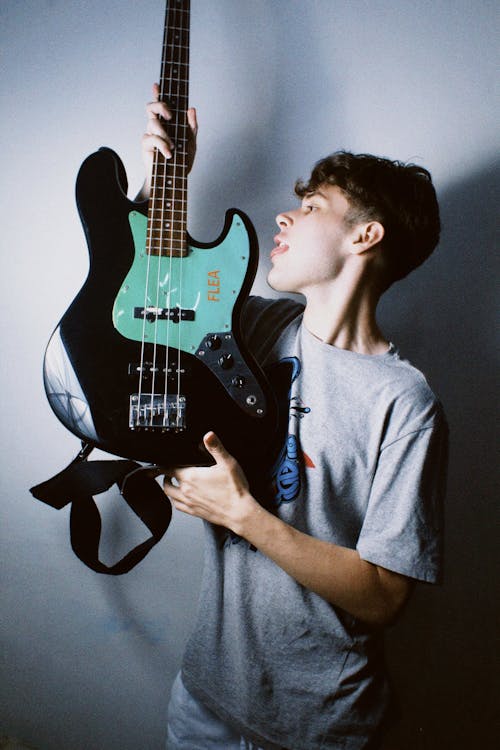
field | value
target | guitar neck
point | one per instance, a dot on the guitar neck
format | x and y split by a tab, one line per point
167	216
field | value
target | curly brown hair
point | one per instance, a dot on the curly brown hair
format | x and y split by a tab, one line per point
400	196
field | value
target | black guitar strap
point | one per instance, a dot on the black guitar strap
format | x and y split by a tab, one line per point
82	479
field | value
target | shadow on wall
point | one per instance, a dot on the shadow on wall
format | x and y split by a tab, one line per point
441	654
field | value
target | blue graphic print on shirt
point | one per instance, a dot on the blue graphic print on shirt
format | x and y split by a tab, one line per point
286	471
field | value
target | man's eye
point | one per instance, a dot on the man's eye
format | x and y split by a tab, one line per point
308	207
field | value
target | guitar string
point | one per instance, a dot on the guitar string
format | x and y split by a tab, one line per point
173	97
174	188
182	144
177	46
167	200
148	250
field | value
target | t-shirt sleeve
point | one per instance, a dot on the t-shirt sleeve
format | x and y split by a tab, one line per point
262	321
403	527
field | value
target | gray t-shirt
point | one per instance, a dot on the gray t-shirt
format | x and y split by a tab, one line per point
363	466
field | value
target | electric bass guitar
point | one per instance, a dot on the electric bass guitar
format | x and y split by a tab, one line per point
149	356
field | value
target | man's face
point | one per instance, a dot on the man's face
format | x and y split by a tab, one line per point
313	242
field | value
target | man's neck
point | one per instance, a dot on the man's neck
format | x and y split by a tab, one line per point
343	314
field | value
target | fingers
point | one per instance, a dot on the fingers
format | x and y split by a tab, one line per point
192	120
176	492
172	488
156	109
177	481
151	142
177	498
215	448
156	136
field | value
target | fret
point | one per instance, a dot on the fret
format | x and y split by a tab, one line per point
176	52
154	232
158	212
180	250
163	234
166	224
167	246
179	189
165	207
157	229
164	218
166	191
167	241
171	96
159	226
171	64
170	186
177	103
167	215
158	216
160	209
172	170
174	45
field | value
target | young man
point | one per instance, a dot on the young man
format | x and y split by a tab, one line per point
287	650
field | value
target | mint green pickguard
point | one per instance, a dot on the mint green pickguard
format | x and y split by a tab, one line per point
184	283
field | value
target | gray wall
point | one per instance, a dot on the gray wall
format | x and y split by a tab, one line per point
88	660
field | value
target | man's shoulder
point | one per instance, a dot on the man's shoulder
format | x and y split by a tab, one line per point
413	404
256	307
263	320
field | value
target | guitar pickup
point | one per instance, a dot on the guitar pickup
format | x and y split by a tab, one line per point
174	314
147	370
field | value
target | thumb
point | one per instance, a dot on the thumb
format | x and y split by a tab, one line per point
215	447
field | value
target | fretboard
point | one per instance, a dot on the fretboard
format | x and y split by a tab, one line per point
167	216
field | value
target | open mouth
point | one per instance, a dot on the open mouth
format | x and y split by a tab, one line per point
280	247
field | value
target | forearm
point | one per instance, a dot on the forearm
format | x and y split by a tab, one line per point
336	573
220	494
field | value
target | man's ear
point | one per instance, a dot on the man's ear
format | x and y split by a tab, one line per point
367	236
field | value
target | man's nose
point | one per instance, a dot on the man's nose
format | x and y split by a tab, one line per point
284	220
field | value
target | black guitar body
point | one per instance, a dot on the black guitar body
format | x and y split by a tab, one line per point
90	369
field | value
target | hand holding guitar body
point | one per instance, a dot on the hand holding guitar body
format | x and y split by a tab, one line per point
220	494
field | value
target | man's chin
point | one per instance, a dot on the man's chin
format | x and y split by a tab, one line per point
276	284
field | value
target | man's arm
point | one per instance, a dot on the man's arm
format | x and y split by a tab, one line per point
220	494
